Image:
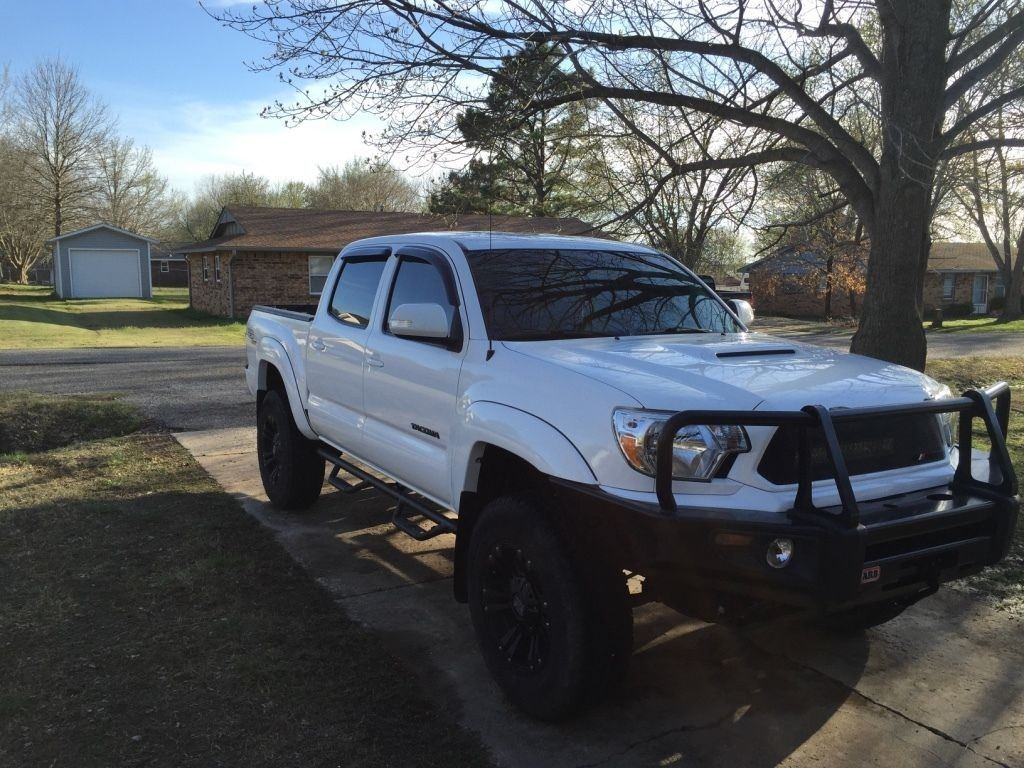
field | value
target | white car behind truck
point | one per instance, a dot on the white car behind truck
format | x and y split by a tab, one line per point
581	411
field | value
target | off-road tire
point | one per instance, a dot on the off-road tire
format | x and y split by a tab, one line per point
575	624
291	469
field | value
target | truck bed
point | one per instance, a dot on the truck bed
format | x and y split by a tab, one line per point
304	312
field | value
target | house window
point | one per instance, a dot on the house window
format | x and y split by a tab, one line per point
216	267
165	267
998	286
979	296
948	284
206	269
319	266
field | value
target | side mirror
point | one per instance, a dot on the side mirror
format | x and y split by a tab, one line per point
419	321
743	310
709	281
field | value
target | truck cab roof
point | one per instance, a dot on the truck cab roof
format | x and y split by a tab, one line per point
469	241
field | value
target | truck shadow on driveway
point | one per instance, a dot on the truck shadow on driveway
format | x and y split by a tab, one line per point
940	685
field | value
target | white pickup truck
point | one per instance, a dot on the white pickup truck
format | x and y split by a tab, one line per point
587	416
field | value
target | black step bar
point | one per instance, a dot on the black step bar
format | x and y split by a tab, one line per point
409	506
975	403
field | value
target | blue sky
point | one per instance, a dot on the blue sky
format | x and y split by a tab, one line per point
178	82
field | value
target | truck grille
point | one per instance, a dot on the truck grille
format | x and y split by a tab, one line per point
869	445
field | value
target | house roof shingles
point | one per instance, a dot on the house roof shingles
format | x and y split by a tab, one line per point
961	257
306	229
943	257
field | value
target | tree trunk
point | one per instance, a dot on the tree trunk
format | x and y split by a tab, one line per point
914	33
829	263
1014	287
23	274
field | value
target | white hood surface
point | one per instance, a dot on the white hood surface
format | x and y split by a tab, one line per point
732	372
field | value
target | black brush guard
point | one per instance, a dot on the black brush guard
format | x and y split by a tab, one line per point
897	549
991	405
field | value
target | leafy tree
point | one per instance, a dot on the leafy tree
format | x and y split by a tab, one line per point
788	71
804	212
197	216
129	192
687	214
61	128
364	185
528	162
24	223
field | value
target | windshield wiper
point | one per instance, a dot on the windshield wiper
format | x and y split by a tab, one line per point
539	335
679	330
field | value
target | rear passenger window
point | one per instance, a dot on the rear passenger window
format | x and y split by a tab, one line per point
352	300
418	282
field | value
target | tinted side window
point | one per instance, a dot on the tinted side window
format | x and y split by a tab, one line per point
353	295
418	282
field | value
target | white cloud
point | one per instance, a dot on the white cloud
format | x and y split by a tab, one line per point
194	139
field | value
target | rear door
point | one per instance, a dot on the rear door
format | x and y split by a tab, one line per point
336	348
411	385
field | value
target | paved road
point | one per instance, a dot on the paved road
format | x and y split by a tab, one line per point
185	389
203	387
940	685
940	345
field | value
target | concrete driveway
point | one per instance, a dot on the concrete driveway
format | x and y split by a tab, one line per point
941	685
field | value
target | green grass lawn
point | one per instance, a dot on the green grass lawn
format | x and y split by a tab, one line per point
975	325
145	619
32	318
1004	582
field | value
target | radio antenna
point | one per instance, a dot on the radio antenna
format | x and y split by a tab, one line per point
490	243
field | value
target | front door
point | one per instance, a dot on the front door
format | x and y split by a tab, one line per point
336	348
411	385
980	294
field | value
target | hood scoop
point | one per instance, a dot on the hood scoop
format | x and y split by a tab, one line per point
757	352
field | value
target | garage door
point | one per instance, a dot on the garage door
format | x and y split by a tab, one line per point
105	274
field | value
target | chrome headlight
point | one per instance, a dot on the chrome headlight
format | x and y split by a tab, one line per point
697	451
947	421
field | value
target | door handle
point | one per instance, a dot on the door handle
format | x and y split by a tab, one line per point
318	345
375	362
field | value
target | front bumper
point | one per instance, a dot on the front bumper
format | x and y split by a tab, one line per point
708	561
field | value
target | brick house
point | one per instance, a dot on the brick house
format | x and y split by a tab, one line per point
962	278
168	268
792	283
282	255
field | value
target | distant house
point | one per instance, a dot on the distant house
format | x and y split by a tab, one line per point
168	268
792	283
40	274
961	278
282	255
102	261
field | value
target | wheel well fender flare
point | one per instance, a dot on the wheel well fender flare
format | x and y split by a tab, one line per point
273	355
530	438
520	436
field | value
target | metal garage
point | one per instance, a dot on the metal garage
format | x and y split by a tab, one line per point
102	261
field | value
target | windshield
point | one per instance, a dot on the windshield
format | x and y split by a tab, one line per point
569	293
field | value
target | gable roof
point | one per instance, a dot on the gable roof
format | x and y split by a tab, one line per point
961	257
101	225
168	251
943	257
328	231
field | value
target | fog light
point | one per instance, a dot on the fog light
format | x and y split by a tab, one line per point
780	552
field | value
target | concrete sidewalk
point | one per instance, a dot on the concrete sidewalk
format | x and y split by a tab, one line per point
941	685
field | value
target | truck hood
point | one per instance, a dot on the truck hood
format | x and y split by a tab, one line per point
742	371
